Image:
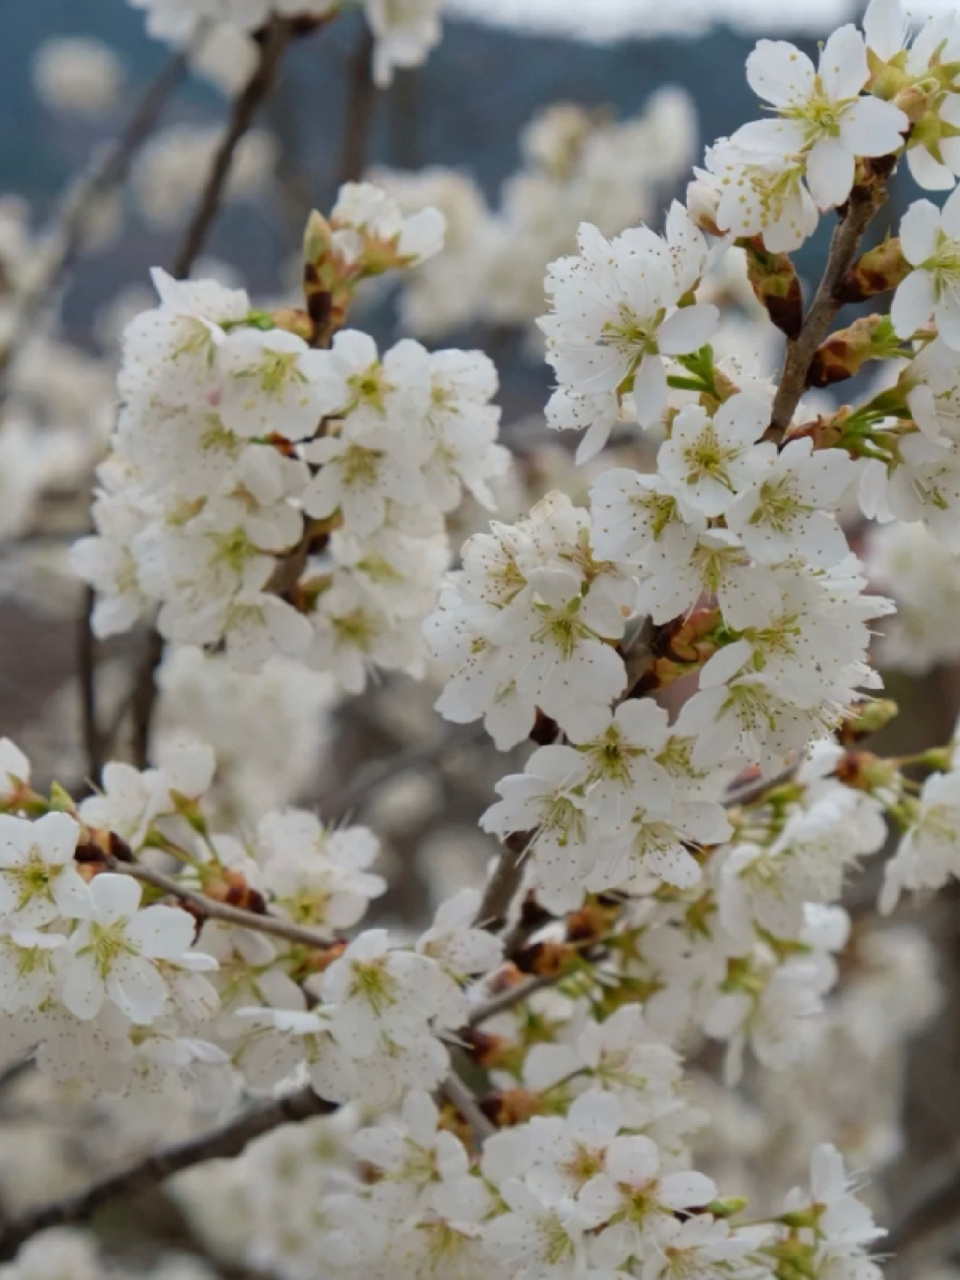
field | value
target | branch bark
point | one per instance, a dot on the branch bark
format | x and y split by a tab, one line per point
212	909
360	100
148	1173
87	676
863	204
457	1093
935	1205
504	882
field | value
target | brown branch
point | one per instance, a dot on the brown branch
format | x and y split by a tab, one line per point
108	172
93	741
143	699
215	910
360	102
457	1093
148	1173
864	202
273	44
504	882
513	996
934	1206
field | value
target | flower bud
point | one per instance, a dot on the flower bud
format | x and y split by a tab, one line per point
866	718
703	197
775	282
846	352
727	1208
877	271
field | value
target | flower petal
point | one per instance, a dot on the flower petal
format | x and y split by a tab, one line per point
688	329
870	127
780	73
912	304
830	169
843	63
918	231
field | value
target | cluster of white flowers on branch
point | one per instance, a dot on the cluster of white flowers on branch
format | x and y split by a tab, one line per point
512	1095
274	496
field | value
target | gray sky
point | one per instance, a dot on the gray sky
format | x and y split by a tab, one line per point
612	19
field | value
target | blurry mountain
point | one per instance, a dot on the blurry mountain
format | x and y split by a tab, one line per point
464	107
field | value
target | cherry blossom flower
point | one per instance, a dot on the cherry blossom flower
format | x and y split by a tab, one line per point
930	239
39	880
820	112
118	952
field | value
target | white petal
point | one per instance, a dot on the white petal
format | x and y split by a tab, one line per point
82	991
912	303
137	989
871	127
688	329
114	895
162	932
650	391
830	169
843	63
634	1160
687	1190
918	231
782	137
780	73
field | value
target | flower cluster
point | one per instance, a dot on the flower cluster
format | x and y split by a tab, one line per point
233	429
686	649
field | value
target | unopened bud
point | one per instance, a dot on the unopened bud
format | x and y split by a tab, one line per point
775	282
593	920
728	1207
293	320
545	959
703	196
846	352
61	800
512	1107
939	758
877	271
863	771
317	238
866	718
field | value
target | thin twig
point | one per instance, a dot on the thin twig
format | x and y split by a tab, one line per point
222	1143
513	996
457	1093
273	45
864	202
214	910
360	100
87	677
503	883
143	699
106	173
230	1140
756	788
